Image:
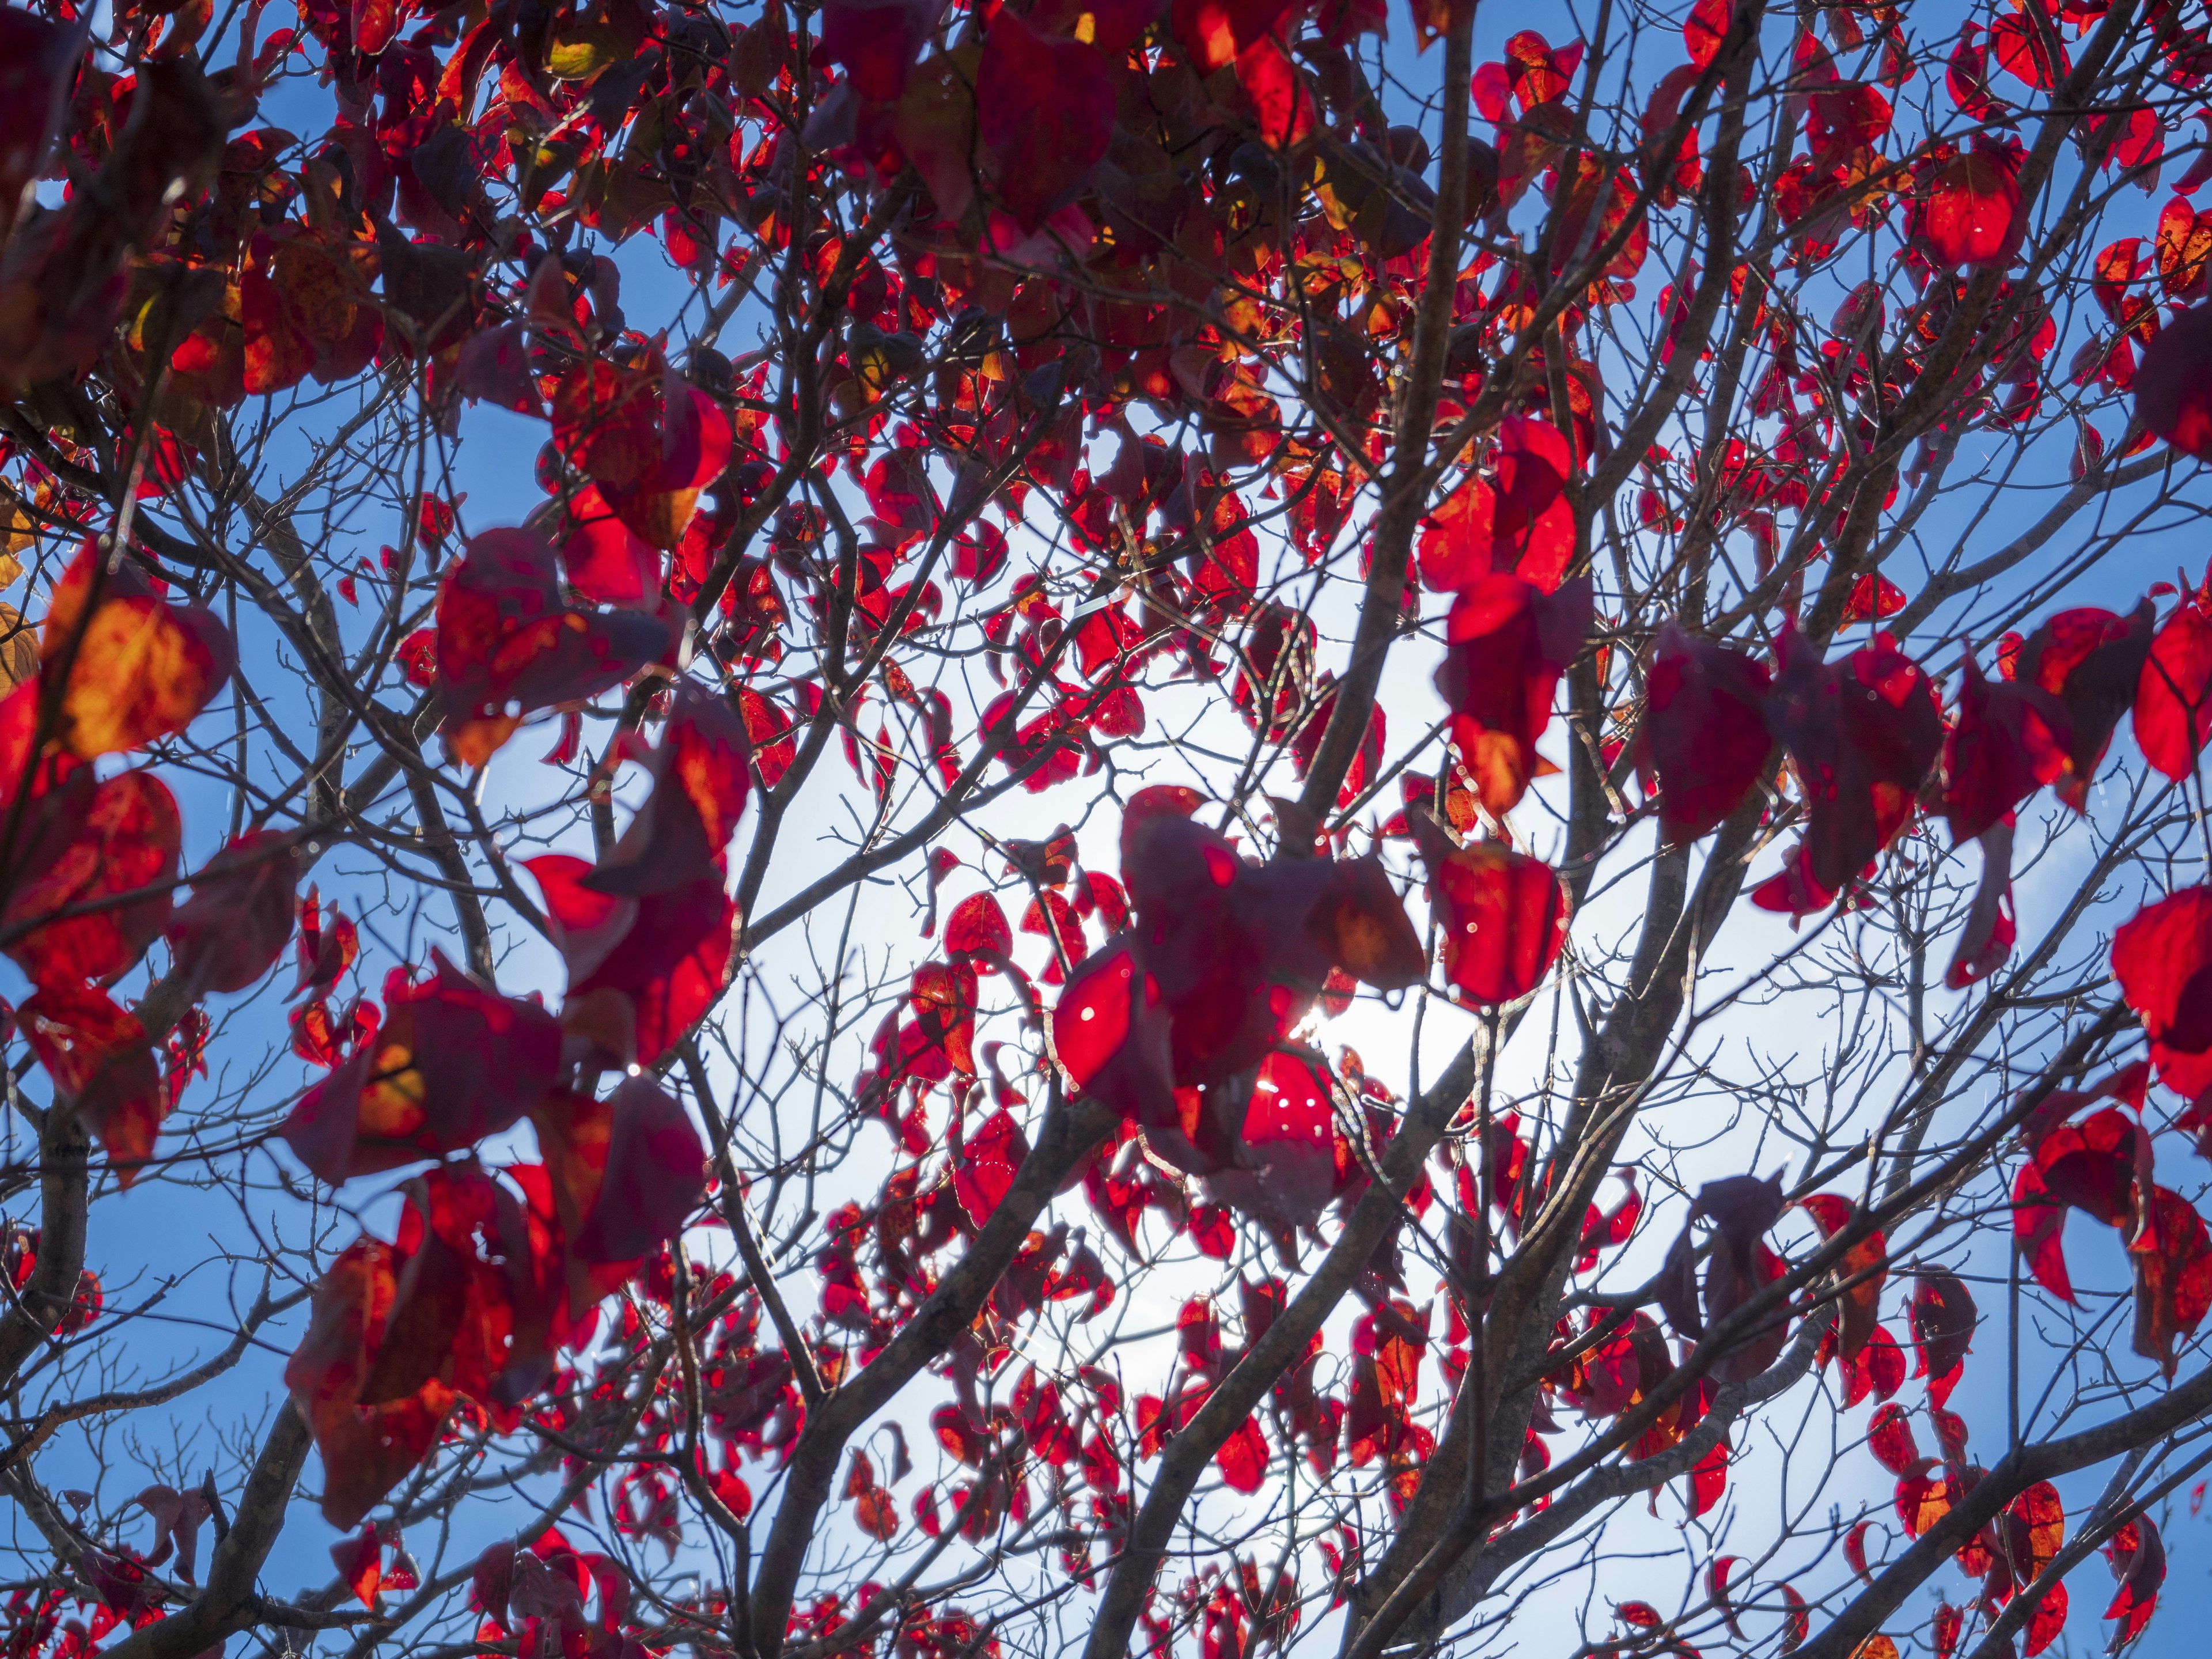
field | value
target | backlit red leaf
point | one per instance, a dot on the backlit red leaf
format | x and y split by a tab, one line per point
1943	1317
1506	644
452	1063
2173	383
1705	731
507	645
1503	918
2162	962
140	669
2137	1555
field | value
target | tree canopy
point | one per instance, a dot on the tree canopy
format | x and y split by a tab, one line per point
1168	827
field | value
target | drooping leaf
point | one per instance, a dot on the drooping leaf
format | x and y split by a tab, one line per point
102	1068
2009	740
1862	734
1863	1262
236	924
365	1450
2172	1254
2137	1555
2091	662
1705	731
1943	1317
654	1178
2173	694
1506	644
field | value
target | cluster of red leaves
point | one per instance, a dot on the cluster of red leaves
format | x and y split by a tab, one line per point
488	1279
1169	1022
92	862
2008	1553
1867	743
508	643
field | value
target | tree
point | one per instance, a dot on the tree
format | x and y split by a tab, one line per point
1300	524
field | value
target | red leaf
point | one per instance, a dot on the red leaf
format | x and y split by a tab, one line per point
1872	597
1507	643
1991	931
1862	734
2089	1166
140	669
700	783
2173	383
1942	1318
453	1063
1046	106
508	645
1516	522
1796	1621
1243	1459
1290	1135
360	1562
2171	1256
2173	694
126	841
642	971
236	923
2162	962
1708	1479
694	449
324	953
977	927
1924	1497
1973	216
608	562
2136	1556
984	1173
1855	1550
875	42
1110	1033
1503	916
655	1175
1704	30
1889	1437
1716	1577
1862	1262
2091	662
1705	731
1944	1631
365	1450
2009	740
2046	1624
2034	1529
1229	955
1212	33
102	1068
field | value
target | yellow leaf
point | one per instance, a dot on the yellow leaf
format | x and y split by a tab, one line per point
579	53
